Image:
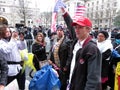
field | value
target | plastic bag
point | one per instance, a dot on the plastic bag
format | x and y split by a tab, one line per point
24	54
45	79
115	54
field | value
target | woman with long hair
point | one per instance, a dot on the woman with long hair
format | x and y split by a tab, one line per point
39	50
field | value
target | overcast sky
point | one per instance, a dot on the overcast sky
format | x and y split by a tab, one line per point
46	5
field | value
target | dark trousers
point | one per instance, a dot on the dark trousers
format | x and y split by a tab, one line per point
63	78
36	64
104	86
20	79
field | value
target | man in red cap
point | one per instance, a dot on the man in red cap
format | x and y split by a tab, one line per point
85	59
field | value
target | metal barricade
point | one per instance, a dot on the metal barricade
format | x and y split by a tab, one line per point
29	44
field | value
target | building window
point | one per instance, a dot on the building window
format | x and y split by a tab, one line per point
88	10
88	4
68	10
114	11
106	20
101	14
115	4
97	2
87	15
102	6
3	9
96	15
21	21
100	21
96	7
95	21
28	21
92	3
106	26
107	13
100	26
92	9
68	5
78	4
2	1
92	15
108	5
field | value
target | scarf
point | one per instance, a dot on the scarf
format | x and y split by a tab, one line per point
105	45
55	52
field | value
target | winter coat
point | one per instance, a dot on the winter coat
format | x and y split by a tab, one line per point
3	72
87	72
39	52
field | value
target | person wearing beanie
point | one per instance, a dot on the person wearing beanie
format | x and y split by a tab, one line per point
105	33
59	54
59	27
105	47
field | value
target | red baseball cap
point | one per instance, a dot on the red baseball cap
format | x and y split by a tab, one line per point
82	21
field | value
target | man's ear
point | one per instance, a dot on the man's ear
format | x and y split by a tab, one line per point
88	28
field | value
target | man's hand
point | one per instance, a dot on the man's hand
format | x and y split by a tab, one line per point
64	69
15	35
50	62
63	9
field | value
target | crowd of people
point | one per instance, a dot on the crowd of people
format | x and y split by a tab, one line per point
84	59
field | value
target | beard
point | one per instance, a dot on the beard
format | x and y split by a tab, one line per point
7	38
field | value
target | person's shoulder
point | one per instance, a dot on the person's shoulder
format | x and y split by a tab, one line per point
68	40
92	45
2	42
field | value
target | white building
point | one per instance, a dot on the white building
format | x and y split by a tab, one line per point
71	6
101	12
11	12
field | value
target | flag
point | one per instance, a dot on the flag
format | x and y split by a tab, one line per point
57	6
53	25
80	10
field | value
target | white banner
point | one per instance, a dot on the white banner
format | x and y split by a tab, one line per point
14	85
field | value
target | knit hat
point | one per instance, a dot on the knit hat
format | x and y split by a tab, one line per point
105	33
59	27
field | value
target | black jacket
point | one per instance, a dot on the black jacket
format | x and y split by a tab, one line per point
63	52
68	22
3	72
87	72
39	52
115	60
